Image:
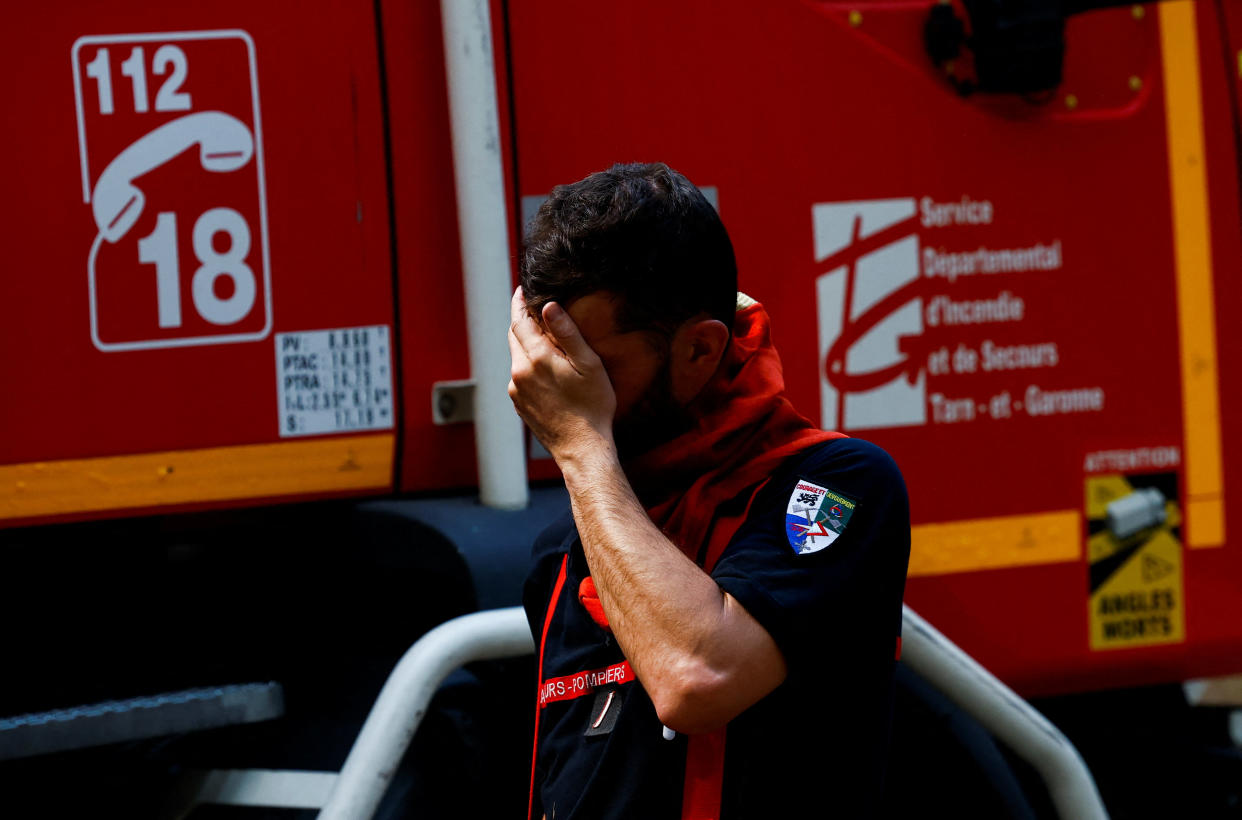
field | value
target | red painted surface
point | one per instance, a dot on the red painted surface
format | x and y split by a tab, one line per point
431	299
794	107
1213	625
432	335
781	110
327	206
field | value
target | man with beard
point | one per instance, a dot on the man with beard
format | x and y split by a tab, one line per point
722	603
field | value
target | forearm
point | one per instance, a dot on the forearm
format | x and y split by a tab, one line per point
688	641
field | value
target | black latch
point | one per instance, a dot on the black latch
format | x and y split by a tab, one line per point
1018	45
943	34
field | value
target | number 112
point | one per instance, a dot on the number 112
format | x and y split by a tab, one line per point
170	96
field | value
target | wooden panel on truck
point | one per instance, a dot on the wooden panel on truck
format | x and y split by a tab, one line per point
197	299
1024	300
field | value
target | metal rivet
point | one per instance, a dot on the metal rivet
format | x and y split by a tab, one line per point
1136	82
1137	11
1071	102
950	67
855	18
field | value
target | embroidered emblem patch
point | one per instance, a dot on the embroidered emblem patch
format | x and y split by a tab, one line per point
815	517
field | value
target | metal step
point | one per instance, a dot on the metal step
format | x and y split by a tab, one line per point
117	721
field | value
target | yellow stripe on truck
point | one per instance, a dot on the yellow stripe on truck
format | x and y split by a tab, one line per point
316	465
1183	102
996	543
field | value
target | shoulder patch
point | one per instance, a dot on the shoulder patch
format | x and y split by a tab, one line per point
815	516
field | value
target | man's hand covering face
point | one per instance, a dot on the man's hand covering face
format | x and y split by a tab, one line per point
558	384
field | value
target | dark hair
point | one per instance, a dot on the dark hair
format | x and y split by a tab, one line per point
641	232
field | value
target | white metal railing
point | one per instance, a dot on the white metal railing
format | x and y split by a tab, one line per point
998	708
356	791
402	703
394	719
503	633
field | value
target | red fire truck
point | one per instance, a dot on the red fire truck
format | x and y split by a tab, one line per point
254	308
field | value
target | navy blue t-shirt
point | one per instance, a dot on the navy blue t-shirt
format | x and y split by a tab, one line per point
820	562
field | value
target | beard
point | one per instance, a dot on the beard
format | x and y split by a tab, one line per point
652	420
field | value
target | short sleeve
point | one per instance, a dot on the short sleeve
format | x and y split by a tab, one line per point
820	602
546	552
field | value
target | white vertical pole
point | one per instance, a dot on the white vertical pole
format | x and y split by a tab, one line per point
484	226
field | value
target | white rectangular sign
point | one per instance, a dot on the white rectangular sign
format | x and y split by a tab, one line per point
334	381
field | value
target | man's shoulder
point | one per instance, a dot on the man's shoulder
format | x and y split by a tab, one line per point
851	472
855	462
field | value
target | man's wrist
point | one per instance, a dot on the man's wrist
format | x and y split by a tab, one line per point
586	457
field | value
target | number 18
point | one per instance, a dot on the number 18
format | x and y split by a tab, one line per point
159	248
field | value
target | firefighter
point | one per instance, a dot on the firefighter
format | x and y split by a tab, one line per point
717	616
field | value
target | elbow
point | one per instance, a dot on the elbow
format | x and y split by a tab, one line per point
693	702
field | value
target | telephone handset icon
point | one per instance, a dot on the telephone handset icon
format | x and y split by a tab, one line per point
225	144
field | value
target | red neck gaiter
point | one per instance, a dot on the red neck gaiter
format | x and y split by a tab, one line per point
744	427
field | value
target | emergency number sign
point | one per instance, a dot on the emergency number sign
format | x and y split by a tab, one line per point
171	151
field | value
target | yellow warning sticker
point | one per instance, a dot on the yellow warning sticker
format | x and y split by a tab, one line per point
1134	551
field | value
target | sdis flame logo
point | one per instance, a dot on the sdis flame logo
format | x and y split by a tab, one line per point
870	310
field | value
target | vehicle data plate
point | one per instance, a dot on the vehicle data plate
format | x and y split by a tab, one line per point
333	381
